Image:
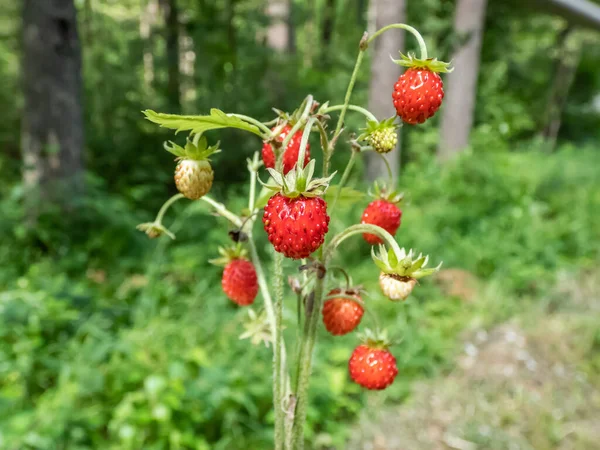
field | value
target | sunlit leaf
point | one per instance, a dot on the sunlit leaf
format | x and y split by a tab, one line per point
199	124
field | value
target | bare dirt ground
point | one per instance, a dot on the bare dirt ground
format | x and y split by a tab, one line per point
529	384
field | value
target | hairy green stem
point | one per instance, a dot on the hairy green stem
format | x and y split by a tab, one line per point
253	121
365	112
277	369
305	365
163	209
416	34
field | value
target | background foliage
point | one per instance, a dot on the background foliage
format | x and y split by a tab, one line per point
108	340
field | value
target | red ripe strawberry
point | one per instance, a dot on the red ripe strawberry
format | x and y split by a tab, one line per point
372	366
384	214
342	315
418	95
290	156
296	226
239	282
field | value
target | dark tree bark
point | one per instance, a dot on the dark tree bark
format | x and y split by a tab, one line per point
384	74
148	20
461	85
172	36
291	26
52	126
328	24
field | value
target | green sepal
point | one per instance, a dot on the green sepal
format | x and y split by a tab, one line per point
199	124
375	125
404	264
154	230
228	254
197	150
432	64
299	182
375	339
257	328
381	190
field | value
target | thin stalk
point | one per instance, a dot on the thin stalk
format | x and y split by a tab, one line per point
361	55
365	112
422	46
304	141
277	369
359	229
252	194
343	181
222	211
387	166
263	127
300	123
163	209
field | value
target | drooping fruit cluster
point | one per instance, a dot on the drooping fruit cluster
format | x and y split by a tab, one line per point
372	365
290	154
383	212
193	173
296	218
419	91
342	314
239	281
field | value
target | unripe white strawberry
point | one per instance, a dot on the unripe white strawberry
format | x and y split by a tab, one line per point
400	271
194	174
193	178
396	287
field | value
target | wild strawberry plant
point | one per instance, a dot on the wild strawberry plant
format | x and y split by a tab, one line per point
295	205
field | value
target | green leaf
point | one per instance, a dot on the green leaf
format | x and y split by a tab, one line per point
199	124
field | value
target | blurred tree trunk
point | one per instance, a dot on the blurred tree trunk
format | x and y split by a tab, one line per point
311	33
172	37
52	126
291	27
384	74
328	27
278	37
148	20
566	67
461	85
361	8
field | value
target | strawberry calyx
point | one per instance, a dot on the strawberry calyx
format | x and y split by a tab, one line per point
299	182
228	254
155	229
349	293
432	64
385	192
196	150
405	265
376	340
